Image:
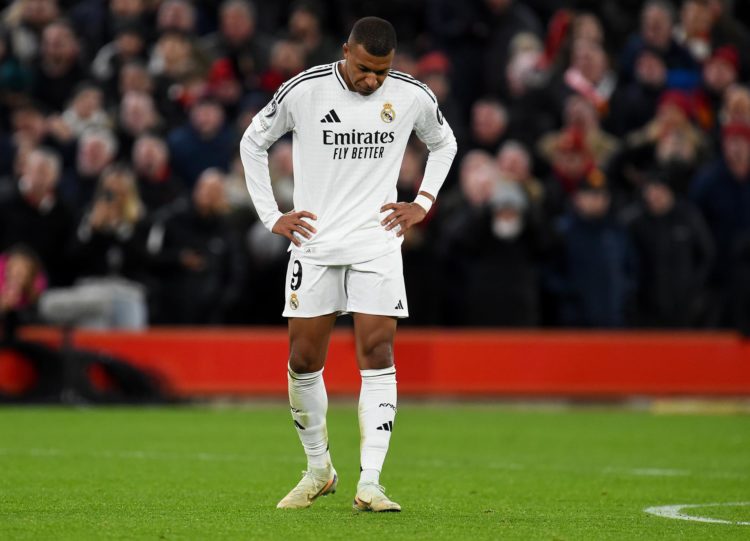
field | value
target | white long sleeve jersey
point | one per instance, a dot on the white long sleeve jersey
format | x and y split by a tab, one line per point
347	152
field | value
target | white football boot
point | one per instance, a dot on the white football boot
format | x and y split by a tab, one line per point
371	497
314	483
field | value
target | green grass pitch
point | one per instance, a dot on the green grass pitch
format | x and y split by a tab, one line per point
459	471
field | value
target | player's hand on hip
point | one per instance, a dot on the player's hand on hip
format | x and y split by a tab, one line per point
292	222
402	216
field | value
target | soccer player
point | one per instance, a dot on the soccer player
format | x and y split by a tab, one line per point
351	121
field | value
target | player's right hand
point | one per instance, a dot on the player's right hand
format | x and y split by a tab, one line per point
292	222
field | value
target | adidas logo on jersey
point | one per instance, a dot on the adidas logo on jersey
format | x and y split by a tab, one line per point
331	117
388	427
399	306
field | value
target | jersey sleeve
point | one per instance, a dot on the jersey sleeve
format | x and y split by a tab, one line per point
265	129
430	125
272	122
433	130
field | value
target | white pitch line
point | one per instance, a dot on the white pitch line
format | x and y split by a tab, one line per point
648	472
659	472
675	512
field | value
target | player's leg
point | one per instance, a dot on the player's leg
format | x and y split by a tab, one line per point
317	294
377	298
308	401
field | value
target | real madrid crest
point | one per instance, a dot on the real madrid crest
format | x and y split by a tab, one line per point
293	301
388	115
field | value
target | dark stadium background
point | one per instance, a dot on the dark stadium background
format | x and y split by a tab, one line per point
602	180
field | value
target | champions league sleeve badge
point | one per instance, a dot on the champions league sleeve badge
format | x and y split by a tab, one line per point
270	109
387	115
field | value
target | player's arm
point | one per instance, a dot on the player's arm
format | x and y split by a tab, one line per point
435	132
266	128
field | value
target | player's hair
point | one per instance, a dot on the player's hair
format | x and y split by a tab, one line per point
376	35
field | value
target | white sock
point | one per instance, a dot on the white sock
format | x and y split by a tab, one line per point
309	404
377	411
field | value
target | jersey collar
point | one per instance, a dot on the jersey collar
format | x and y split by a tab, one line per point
339	77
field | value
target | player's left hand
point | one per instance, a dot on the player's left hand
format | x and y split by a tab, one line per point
404	215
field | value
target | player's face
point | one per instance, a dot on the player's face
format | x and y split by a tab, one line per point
363	72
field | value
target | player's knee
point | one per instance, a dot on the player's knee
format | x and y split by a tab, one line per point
377	355
305	359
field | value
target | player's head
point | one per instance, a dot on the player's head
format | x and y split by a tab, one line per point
369	54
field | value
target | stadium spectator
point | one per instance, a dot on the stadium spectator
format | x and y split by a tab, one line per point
434	70
134	77
670	144
287	59
580	114
459	30
532	109
675	256
109	253
97	148
129	45
736	106
239	43
545	199
498	248
30	126
593	275
33	216
656	36
86	110
25	21
138	116
58	70
478	177
720	72
489	125
694	28
178	71
200	255
730	30
157	185
588	27
22	281
97	21
15	77
634	103
502	21
205	141
722	192
589	74
176	15
305	28
571	160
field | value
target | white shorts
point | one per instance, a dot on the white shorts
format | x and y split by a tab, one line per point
373	287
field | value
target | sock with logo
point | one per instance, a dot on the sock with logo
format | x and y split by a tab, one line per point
309	403
377	411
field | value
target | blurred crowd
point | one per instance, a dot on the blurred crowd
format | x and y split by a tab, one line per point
602	180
